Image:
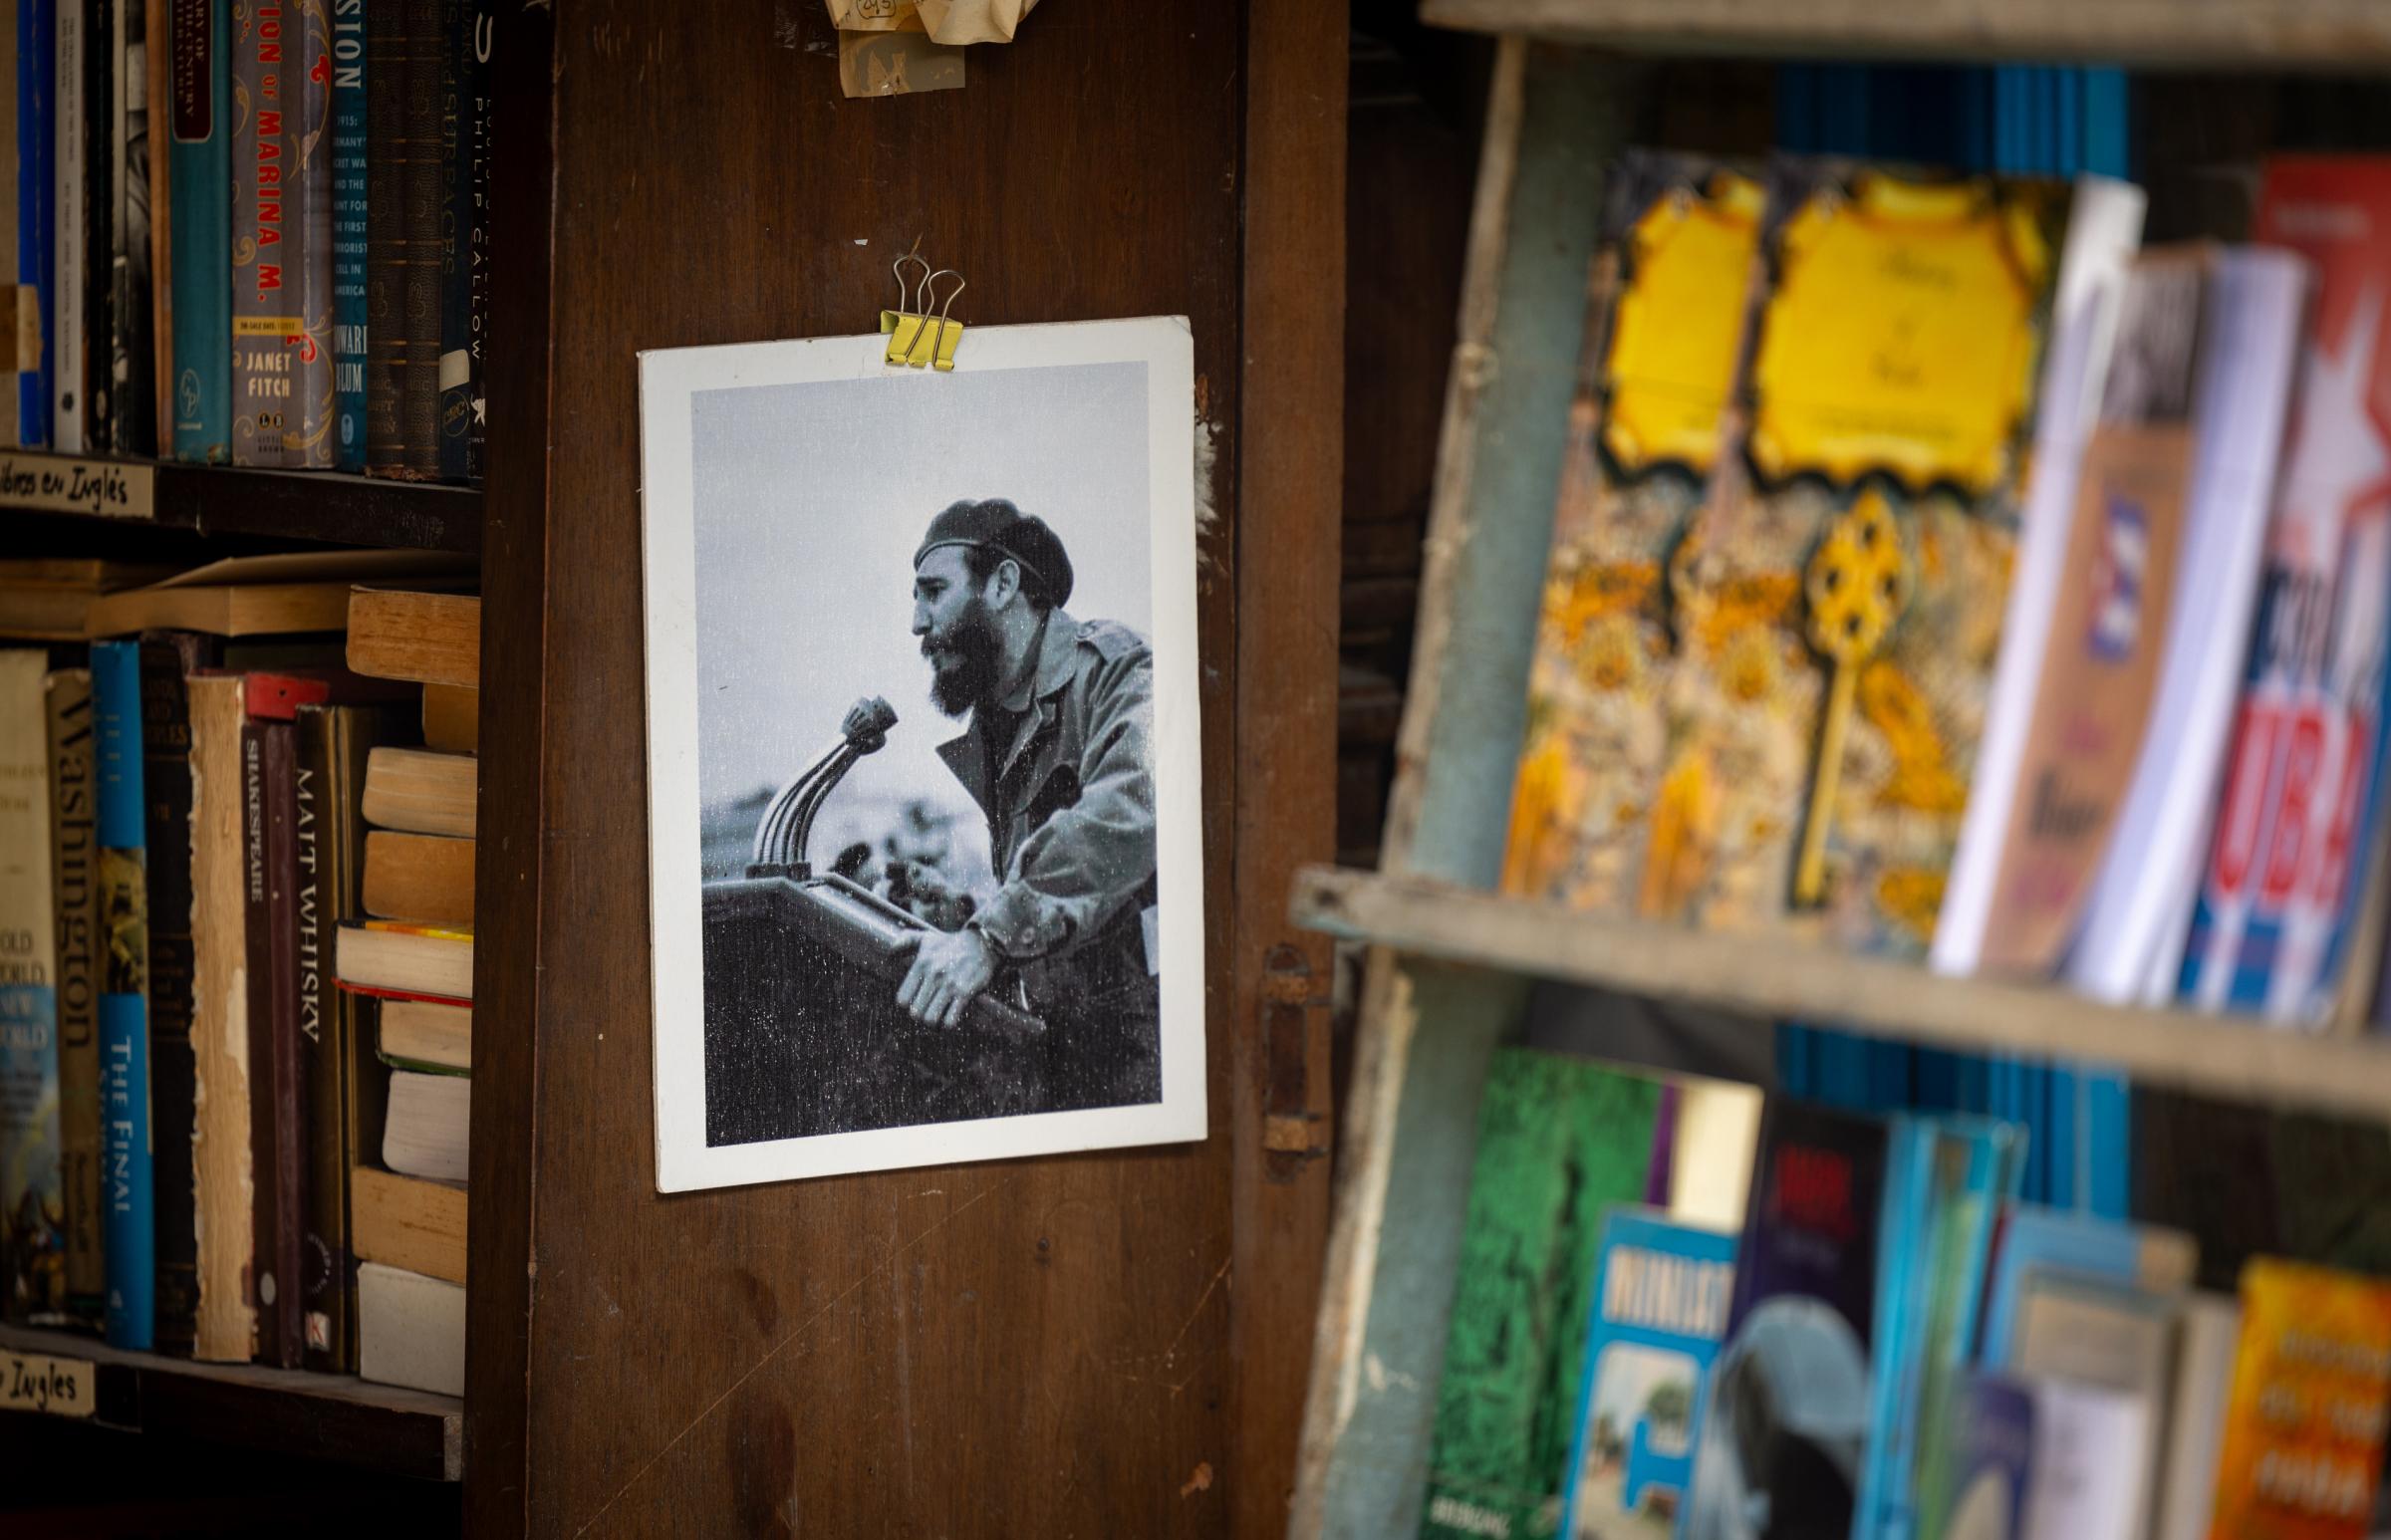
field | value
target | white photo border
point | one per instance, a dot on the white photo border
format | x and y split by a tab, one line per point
669	381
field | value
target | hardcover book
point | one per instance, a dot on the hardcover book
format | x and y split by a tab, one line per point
1837	601
200	173
1664	309
133	425
1790	1397
31	1188
281	239
75	878
2271	926
126	1174
1560	1142
277	1130
69	215
36	68
1661	1296
1991	1448
2303	1447
234	1290
464	224
349	231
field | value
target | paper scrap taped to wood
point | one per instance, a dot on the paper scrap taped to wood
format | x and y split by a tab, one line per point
973	21
897	63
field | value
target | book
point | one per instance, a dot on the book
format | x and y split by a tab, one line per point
32	1183
425	1132
75	878
1560	1142
383	956
346	1085
50	599
199	181
168	660
2089	1457
466	26
70	218
126	1174
2207	1331
89	187
2302	1446
419	792
410	1330
406	1221
428	638
2272	922
1790	1399
159	406
36	71
1664	313
280	593
281	244
425	1035
419	876
277	1131
2036	1241
1993	1461
2094	1332
2134	922
132	352
231	1244
2059	759
1838	597
1661	1294
403	95
451	718
349	232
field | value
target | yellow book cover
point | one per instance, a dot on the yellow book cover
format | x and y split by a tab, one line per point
1665	312
2303	1421
1837	600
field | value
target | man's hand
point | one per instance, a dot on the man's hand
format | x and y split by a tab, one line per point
951	968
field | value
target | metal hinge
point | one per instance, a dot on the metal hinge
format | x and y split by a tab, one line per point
1293	1134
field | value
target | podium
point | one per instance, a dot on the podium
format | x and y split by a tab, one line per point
803	1033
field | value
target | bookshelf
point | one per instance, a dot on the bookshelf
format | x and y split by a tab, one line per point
1452	963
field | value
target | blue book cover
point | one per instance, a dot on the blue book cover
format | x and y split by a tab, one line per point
124	998
2038	1239
1991	1456
199	181
37	192
349	234
1660	1297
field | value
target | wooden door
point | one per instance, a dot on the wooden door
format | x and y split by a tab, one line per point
1101	1345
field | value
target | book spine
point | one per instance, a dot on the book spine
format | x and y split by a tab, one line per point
307	174
267	1281
133	384
75	880
104	174
69	216
346	1080
483	113
349	233
385	237
31	1195
158	408
421	195
283	1087
126	1175
464	114
266	298
37	194
174	1074
200	169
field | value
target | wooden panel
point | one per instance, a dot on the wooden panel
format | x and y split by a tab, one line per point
1768	977
1036	1347
2317	34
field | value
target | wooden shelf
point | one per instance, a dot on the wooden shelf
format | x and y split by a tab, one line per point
2326	35
1773	979
270	504
333	1417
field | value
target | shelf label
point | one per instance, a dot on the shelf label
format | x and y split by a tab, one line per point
54	483
60	1386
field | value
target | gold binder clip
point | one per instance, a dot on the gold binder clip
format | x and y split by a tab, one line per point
934	344
903	326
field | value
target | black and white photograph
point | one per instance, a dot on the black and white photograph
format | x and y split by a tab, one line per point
923	751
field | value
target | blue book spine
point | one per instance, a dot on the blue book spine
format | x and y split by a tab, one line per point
200	176
132	1266
37	175
349	235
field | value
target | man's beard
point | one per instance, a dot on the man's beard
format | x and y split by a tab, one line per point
972	640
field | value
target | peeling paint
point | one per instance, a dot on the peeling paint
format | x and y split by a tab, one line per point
1200	1481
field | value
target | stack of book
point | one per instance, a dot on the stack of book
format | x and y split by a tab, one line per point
1880	1339
251	235
185	1093
409	956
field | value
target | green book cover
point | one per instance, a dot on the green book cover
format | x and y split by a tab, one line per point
1559	1142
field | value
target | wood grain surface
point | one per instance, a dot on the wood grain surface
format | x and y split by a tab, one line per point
1099	1345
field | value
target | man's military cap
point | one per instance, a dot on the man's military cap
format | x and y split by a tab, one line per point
997	525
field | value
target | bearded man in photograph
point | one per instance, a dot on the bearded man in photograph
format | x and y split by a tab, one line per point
1057	754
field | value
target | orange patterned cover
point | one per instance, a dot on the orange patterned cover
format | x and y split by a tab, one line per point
2304	1423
